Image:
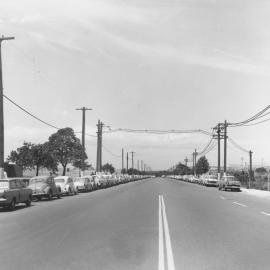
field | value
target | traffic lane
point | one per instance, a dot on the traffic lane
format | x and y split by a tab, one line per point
254	203
209	233
108	229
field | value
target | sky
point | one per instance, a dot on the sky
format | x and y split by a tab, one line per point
170	64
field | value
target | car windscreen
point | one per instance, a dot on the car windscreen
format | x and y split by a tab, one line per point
213	177
37	180
4	184
59	180
79	180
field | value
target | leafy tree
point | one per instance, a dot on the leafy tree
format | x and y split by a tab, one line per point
65	148
108	168
181	169
22	156
30	156
202	165
261	170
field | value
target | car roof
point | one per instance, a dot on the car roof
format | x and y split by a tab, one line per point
64	177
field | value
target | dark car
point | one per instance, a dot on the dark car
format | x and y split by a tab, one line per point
44	187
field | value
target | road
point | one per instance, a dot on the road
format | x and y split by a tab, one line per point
124	227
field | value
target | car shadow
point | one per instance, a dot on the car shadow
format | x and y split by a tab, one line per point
18	207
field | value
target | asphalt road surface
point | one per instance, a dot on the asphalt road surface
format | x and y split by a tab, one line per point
151	224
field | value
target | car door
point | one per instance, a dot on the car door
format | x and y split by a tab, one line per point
71	184
21	190
53	186
14	191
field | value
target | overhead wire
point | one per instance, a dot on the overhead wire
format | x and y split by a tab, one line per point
253	118
29	113
110	152
237	145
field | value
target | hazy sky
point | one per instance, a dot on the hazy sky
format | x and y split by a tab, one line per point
170	64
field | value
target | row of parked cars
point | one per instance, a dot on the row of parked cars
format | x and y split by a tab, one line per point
24	190
227	182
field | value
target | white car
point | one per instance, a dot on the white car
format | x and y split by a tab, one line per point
83	183
66	184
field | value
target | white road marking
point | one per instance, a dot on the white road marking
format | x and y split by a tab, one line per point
240	204
264	213
222	198
164	229
160	242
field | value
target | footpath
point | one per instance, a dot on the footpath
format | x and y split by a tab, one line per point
258	193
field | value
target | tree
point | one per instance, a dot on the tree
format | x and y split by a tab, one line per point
65	148
108	168
260	170
181	169
22	156
202	165
31	156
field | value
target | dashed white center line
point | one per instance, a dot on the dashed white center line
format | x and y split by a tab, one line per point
240	204
222	198
264	213
164	231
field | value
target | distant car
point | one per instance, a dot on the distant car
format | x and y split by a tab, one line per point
229	182
14	191
83	183
66	185
211	181
44	187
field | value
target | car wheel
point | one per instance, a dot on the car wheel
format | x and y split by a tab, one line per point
12	205
28	202
49	196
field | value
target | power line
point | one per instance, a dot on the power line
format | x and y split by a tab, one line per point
253	118
27	112
158	132
237	145
110	152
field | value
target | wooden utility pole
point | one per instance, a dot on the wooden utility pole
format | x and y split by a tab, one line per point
195	161
83	109
250	169
225	147
218	133
127	161
99	146
132	159
2	141
122	159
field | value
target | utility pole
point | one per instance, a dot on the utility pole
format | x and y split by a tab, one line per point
225	147
141	165
250	168
195	162
122	160
218	133
83	109
2	141
127	161
186	161
99	146
132	160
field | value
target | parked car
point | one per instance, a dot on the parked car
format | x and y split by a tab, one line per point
229	182
83	183
66	185
211	181
14	191
44	187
